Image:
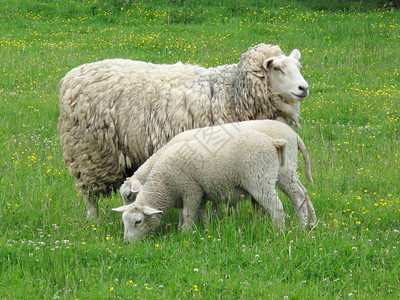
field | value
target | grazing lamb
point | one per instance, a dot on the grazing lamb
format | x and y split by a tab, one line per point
190	172
288	179
115	113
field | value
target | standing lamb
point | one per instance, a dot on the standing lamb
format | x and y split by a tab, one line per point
288	179
190	172
115	113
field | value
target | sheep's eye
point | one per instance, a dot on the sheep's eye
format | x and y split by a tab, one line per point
138	222
277	69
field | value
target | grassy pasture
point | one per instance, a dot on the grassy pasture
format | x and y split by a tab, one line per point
351	123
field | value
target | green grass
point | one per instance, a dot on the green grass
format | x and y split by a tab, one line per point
350	125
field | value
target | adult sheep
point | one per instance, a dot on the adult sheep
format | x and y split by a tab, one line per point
115	113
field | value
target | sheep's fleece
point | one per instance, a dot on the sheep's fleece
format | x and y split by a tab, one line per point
189	172
288	179
115	113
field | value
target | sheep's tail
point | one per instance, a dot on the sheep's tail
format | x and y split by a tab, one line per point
280	146
306	158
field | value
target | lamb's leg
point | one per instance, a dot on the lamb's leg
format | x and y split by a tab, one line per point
296	195
290	184
312	217
273	205
235	197
189	212
202	213
269	200
188	219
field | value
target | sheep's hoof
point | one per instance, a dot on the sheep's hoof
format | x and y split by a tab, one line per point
92	214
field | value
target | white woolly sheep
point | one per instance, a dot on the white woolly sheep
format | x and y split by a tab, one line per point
288	179
115	113
189	172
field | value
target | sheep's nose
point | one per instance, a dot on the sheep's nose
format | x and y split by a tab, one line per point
303	88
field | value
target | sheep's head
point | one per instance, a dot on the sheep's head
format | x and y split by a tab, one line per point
285	78
138	220
129	190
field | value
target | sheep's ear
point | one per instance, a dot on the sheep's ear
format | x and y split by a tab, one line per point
295	54
147	210
121	208
267	63
136	186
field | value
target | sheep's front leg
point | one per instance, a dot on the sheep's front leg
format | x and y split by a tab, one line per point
92	206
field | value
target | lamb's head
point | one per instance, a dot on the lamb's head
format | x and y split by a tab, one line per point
138	220
285	78
129	189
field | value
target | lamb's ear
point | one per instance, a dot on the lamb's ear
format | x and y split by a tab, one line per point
295	54
147	210
136	186
267	63
121	208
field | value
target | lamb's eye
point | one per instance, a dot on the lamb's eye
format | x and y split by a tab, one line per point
138	222
277	69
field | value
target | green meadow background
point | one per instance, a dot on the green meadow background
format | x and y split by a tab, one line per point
350	56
